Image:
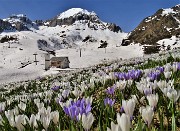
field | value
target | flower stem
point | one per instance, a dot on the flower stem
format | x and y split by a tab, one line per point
173	118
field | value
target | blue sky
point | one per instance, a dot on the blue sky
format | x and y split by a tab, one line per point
125	13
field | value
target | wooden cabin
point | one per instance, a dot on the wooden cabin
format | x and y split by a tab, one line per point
59	62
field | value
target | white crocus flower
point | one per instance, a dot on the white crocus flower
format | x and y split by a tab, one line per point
121	84
87	120
167	74
65	93
76	92
33	121
175	67
38	115
147	114
10	116
153	99
114	127
2	106
22	106
135	98
40	105
173	95
89	99
129	82
167	67
20	120
171	82
129	106
55	117
163	84
36	101
123	122
45	122
16	111
154	84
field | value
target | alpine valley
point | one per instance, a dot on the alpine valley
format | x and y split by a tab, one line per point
78	32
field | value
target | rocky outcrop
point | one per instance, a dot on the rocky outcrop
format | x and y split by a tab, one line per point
73	19
113	27
4	25
20	26
89	18
165	23
21	22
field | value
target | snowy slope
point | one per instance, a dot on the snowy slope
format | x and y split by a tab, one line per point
75	34
21	53
173	42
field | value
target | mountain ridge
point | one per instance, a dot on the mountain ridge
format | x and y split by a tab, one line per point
165	23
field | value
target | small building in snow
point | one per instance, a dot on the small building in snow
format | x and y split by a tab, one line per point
59	62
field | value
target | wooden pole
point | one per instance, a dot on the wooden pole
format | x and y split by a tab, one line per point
35	58
80	52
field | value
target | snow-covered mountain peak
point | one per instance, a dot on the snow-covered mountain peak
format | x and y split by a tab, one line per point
73	12
81	18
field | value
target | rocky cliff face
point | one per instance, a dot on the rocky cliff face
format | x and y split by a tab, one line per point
5	25
73	15
165	23
21	22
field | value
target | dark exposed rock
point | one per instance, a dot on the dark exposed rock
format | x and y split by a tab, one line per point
20	26
103	45
7	39
72	19
4	25
113	27
39	22
89	39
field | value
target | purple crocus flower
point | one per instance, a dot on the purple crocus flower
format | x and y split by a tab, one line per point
131	74
110	90
121	109
153	75
178	67
148	91
108	101
77	107
55	88
161	69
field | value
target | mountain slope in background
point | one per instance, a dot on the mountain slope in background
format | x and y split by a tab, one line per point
165	23
77	27
21	22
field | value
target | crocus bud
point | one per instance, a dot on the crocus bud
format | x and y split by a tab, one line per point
22	106
153	100
147	114
87	120
123	122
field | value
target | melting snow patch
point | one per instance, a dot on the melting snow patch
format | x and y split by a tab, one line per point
167	11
